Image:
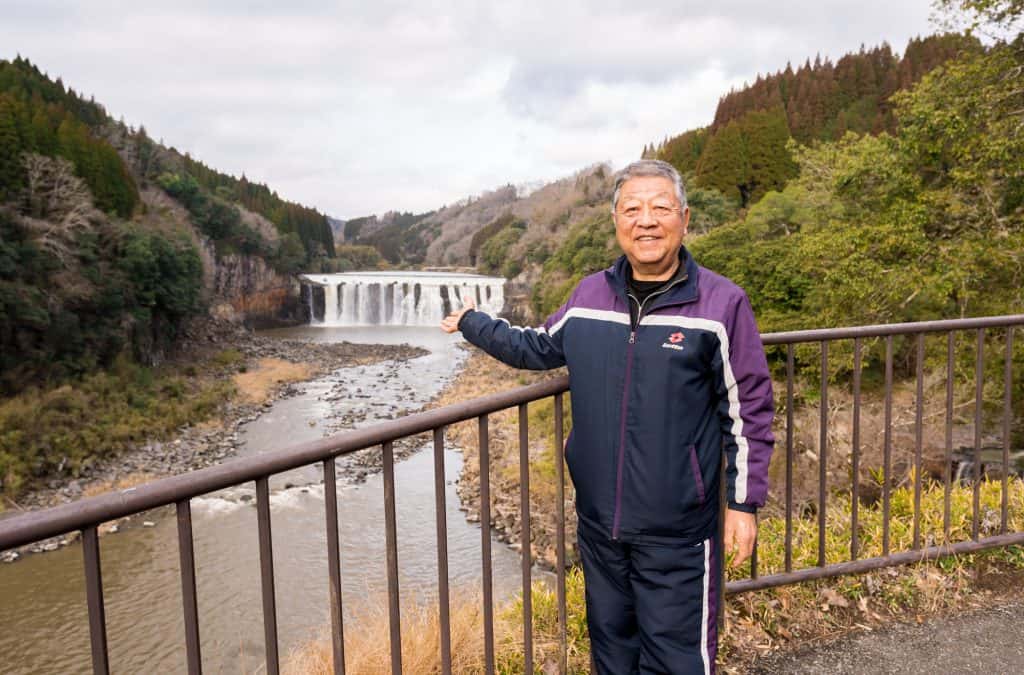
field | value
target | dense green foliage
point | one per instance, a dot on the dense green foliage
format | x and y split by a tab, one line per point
823	101
682	151
311	225
588	248
924	224
40	116
748	157
709	208
124	289
59	431
395	235
78	285
352	257
481	236
492	254
354	226
743	153
218	219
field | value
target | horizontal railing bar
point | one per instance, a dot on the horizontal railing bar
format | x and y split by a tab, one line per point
37	525
869	564
882	330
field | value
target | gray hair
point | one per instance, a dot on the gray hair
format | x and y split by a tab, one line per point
650	167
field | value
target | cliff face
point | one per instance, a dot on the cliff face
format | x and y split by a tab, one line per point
238	288
246	289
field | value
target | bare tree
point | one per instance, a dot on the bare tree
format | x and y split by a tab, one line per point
59	206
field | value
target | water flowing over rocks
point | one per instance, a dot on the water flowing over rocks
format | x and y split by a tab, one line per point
199	446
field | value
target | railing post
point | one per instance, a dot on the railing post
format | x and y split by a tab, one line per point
560	535
1007	418
189	602
391	536
334	565
823	456
94	599
887	450
267	575
948	476
789	460
855	469
918	439
442	552
527	557
979	391
485	544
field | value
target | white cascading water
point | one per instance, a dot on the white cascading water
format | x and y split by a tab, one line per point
400	298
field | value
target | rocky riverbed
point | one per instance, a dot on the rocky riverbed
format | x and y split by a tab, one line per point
480	376
202	445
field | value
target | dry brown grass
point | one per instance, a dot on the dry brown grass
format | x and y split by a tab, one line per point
119	483
256	384
368	649
839	456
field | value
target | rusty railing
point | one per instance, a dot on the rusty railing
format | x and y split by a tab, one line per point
87	514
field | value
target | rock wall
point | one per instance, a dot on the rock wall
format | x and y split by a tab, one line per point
245	289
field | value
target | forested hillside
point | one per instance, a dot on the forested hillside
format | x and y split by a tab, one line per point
744	152
94	258
393	235
924	223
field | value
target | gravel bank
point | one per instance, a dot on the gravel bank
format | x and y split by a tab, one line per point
196	447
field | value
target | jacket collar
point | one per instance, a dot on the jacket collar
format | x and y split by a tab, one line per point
618	274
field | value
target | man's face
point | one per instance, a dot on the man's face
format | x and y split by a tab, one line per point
650	226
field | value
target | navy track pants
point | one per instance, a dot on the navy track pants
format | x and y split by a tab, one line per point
651	608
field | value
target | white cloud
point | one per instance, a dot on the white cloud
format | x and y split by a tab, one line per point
357	108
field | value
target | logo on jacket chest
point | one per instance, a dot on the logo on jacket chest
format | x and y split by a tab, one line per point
675	341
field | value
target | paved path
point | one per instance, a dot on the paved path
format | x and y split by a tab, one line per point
989	641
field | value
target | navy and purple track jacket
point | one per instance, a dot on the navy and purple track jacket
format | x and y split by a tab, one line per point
654	400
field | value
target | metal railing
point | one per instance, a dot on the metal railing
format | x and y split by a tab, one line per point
87	514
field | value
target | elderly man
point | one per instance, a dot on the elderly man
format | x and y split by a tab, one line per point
667	373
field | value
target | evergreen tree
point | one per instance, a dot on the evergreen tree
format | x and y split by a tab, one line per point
12	174
723	164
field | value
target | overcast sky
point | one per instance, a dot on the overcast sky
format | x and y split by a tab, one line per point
357	107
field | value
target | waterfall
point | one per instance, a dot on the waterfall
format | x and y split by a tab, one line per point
330	299
399	298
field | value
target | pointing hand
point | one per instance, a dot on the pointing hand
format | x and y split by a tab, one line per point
450	323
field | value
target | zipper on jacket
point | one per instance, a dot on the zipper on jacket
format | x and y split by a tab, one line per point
622	434
617	517
640	305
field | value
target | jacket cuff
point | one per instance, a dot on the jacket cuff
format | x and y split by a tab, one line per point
745	508
463	318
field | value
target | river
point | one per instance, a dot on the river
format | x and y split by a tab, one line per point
43	619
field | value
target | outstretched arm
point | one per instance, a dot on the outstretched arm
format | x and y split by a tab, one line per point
532	348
